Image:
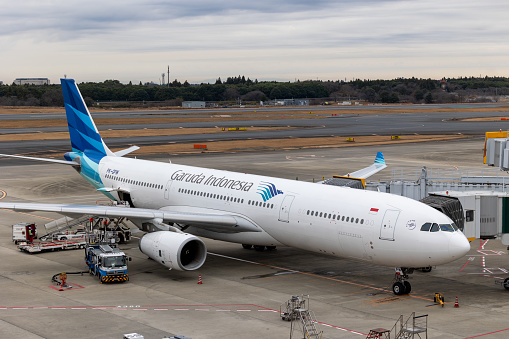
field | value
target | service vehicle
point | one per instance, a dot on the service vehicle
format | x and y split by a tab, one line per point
108	263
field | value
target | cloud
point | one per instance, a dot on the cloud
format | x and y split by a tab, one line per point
135	40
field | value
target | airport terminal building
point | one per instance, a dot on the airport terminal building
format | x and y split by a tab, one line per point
32	81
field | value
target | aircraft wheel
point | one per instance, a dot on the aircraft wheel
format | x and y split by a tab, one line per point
408	287
259	248
398	288
271	248
506	284
247	246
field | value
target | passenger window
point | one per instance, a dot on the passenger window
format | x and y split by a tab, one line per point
347	218
426	227
362	221
329	215
312	213
434	228
357	220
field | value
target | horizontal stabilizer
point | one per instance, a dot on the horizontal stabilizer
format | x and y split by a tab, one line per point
64	162
126	151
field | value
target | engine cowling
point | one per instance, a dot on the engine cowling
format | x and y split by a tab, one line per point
178	251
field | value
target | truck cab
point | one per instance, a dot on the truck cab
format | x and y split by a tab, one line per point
108	263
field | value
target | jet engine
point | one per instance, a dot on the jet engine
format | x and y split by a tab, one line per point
178	251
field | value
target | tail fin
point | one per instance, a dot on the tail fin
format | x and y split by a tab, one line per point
84	135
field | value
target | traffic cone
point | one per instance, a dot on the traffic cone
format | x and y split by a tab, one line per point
456	305
199	280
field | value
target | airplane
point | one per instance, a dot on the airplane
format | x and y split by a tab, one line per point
177	204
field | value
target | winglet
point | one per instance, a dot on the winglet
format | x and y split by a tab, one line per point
379	159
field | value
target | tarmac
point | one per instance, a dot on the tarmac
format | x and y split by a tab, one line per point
242	289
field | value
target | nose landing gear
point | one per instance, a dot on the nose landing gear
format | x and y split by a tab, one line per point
401	285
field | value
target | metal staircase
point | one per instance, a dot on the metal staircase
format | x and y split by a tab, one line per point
62	224
414	326
297	309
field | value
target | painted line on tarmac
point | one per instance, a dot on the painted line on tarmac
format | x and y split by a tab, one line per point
314	275
482	335
198	308
3	194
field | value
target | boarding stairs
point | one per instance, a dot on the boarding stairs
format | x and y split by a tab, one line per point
416	326
63	224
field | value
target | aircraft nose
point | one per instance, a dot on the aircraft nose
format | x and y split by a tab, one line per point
458	245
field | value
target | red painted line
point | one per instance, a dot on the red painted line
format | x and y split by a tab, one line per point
481	247
465	265
481	335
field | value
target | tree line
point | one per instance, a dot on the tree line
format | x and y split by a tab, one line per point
242	89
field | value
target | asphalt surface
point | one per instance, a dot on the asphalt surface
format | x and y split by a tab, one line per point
242	290
340	125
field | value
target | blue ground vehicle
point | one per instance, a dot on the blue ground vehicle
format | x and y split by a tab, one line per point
108	263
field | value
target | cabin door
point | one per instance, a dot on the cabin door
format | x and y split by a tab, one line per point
389	225
167	189
284	210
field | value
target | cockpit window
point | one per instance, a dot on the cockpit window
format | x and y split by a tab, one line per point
426	227
433	227
447	227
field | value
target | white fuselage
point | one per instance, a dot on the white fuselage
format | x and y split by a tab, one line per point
376	227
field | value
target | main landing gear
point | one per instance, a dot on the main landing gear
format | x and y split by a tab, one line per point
401	285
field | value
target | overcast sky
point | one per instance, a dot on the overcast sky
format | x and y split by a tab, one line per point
134	40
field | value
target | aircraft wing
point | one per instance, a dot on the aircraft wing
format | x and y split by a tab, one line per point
377	166
216	222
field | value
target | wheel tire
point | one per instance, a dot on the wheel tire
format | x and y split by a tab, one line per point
506	284
63	238
408	287
398	288
271	248
247	246
426	269
259	248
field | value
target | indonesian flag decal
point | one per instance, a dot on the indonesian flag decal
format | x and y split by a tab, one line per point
373	210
